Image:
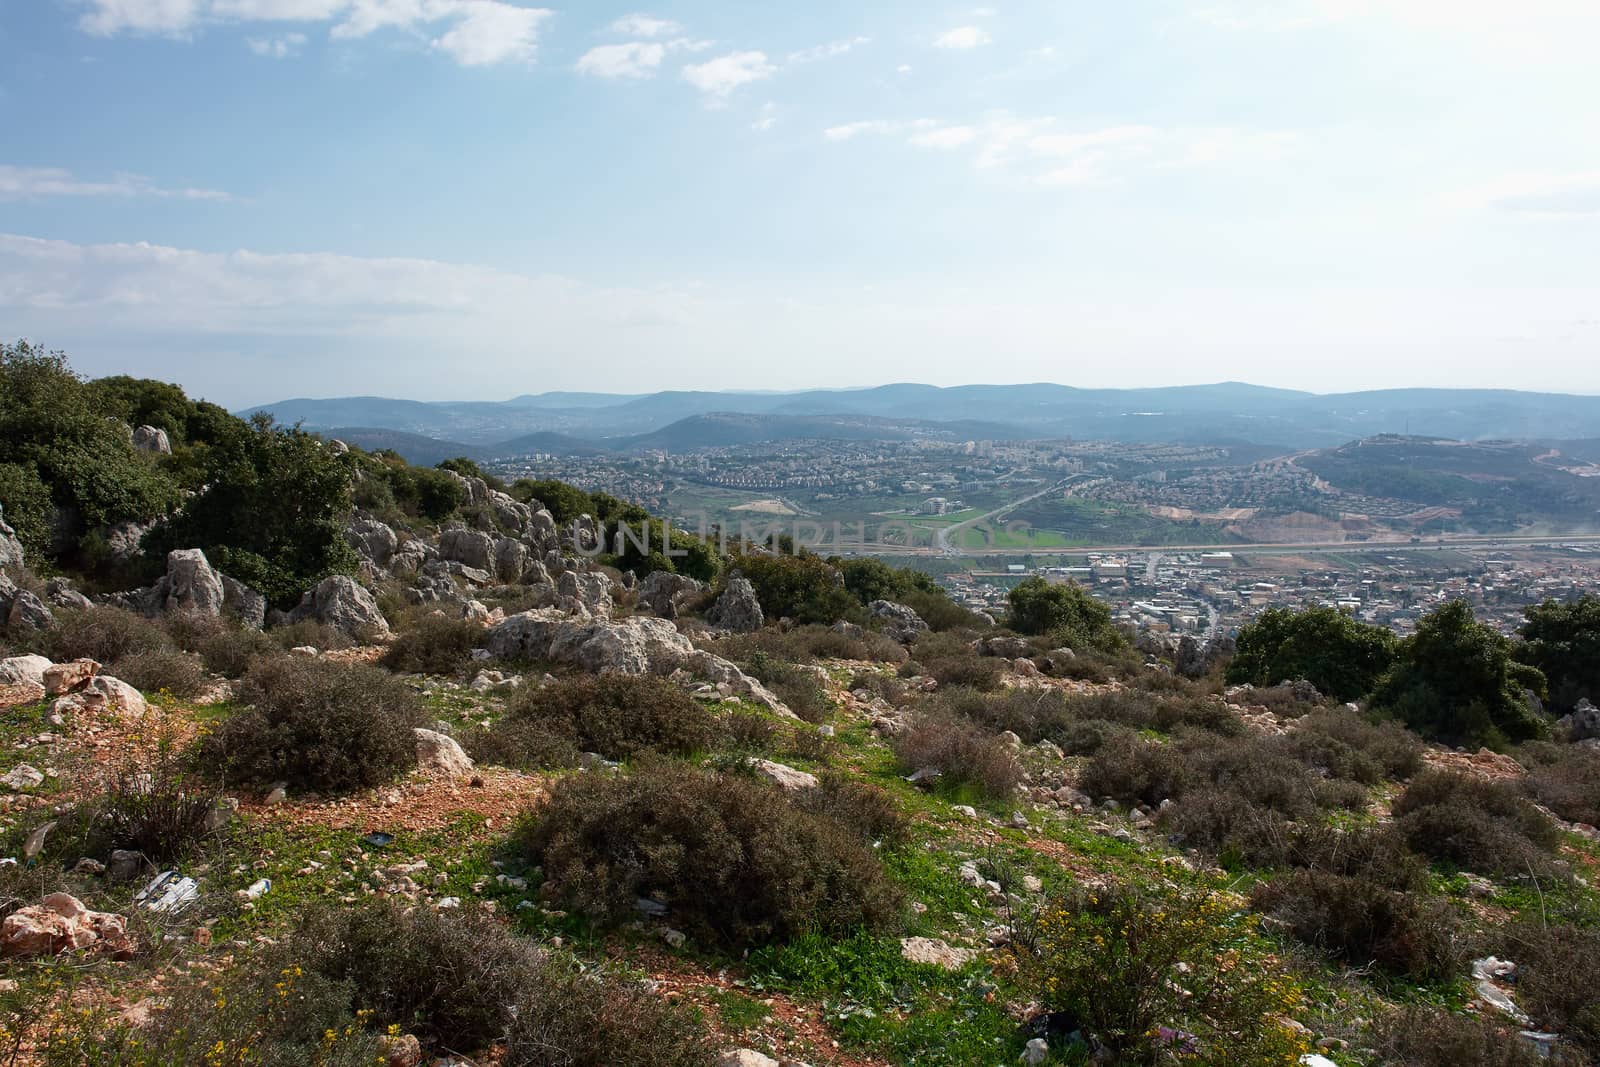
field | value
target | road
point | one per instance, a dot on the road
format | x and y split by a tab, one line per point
941	537
1255	548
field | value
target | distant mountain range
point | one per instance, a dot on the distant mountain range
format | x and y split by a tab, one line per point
1227	413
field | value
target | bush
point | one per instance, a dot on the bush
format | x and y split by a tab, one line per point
229	652
103	634
1563	642
807	644
1362	922
1558	971
1164	712
1455	681
747	731
1475	824
1151	974
803	588
321	726
1133	770
732	858
970	671
870	811
796	687
1430	1037
616	715
1566	779
963	754
1236	831
1333	651
1066	612
180	673
1391	748
309	633
434	645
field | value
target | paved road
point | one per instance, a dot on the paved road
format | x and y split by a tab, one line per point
1260	548
941	537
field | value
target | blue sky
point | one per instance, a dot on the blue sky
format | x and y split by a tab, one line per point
480	198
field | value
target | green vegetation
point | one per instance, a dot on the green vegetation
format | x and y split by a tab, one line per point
1562	641
1343	658
1065	612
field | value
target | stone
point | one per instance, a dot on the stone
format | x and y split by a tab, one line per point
11	554
1036	1051
68	677
1582	724
931	950
117	694
191	585
339	602
510	560
125	540
471	547
737	608
246	605
126	865
372	540
400	1050
592	590
898	622
28	612
1003	647
784	777
1025	668
746	1057
60	594
60	923
666	594
22	778
152	439
23	670
437	752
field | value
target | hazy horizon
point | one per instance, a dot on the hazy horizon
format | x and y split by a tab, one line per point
264	199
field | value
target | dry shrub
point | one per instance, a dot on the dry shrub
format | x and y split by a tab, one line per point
1164	712
103	634
965	755
1133	770
615	715
796	686
229	652
317	725
1558	972
733	859
871	811
1361	923
747	731
1475	824
179	673
309	633
1565	779
1423	1036
1236	831
1396	751
982	673
435	644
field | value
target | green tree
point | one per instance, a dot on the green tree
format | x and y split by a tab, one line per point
1339	655
1562	640
272	514
1065	611
564	502
803	588
25	501
468	468
1455	680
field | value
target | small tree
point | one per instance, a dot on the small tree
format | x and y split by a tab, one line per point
1563	642
1455	680
1064	610
1342	657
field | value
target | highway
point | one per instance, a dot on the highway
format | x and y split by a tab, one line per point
1259	548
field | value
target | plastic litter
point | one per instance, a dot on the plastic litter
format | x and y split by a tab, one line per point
258	888
378	839
169	893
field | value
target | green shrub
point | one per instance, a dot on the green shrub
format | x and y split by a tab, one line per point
747	731
435	644
730	857
1133	770
615	715
1392	749
229	652
1475	824
963	754
796	687
1563	642
803	588
1066	612
1328	648
1151	973
1362	923
317	725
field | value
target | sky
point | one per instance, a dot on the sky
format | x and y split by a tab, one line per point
476	199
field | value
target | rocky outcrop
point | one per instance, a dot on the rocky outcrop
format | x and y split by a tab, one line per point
590	590
125	540
783	776
1582	724
1003	647
666	594
60	923
899	622
244	603
638	645
10	547
411	556
60	594
107	691
373	541
738	608
339	602
152	439
191	585
23	670
510	560
1192	659
471	547
21	609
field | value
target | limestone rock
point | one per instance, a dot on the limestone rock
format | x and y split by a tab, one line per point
192	585
933	951
10	547
23	670
1582	724
471	547
118	694
373	541
900	623
441	753
737	609
60	923
66	677
339	602
666	593
784	777
152	439
28	612
592	590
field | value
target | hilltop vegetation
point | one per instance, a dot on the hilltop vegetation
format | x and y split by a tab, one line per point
514	783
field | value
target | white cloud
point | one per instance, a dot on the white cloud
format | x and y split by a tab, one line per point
828	51
962	38
635	59
1536	195
473	32
277	47
1527	30
32	183
719	77
945	137
645	26
904	68
851	130
768	119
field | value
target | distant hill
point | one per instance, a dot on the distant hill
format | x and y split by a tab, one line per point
414	448
1197	414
